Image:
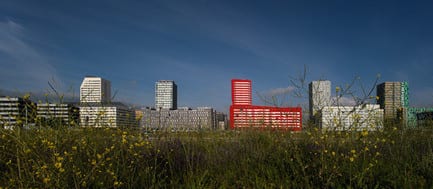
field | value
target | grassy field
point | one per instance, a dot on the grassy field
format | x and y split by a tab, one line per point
115	158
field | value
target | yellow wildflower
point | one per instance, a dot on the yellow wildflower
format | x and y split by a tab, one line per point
46	180
58	165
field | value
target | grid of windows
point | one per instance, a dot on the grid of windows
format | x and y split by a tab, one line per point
67	112
244	115
165	95
241	92
263	116
180	119
15	110
392	96
106	116
363	117
95	89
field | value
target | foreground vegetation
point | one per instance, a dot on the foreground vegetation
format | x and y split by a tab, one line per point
115	158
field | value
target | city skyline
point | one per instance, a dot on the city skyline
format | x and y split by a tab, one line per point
202	45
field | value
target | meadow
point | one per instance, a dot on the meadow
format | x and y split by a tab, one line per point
122	158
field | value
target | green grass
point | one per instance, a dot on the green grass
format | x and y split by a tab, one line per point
115	158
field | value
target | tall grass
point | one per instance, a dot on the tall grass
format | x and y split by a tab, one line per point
116	158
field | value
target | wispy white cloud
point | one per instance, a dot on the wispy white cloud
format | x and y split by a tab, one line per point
279	91
23	66
234	27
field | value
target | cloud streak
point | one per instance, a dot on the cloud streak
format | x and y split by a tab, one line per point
23	66
279	91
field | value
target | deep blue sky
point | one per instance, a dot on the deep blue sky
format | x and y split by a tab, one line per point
203	44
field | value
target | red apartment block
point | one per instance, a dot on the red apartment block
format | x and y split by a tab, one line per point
245	115
241	92
289	118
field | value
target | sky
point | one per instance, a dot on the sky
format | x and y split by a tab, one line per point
203	44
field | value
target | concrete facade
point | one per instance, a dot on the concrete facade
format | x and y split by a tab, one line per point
351	118
180	119
319	96
107	115
68	113
165	95
16	111
393	98
95	89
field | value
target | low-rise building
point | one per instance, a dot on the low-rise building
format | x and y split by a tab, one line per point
286	118
221	121
106	115
424	119
409	115
351	118
68	114
180	119
16	111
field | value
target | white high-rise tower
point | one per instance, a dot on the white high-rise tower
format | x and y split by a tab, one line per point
165	95
95	89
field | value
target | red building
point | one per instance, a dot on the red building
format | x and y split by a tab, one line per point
245	115
241	92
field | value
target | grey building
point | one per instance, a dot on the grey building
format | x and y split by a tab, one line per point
165	95
16	111
221	122
319	96
180	119
66	113
393	99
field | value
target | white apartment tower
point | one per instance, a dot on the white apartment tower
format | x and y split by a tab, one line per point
95	89
319	96
165	95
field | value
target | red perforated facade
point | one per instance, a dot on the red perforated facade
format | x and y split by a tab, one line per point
241	92
245	115
266	117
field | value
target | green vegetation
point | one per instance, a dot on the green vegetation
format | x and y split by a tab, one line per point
116	158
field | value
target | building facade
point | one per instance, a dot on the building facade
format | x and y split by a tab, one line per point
95	89
96	108
107	115
180	119
16	111
392	98
245	115
411	115
165	95
319	96
289	118
424	119
241	92
351	118
221	121
67	113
